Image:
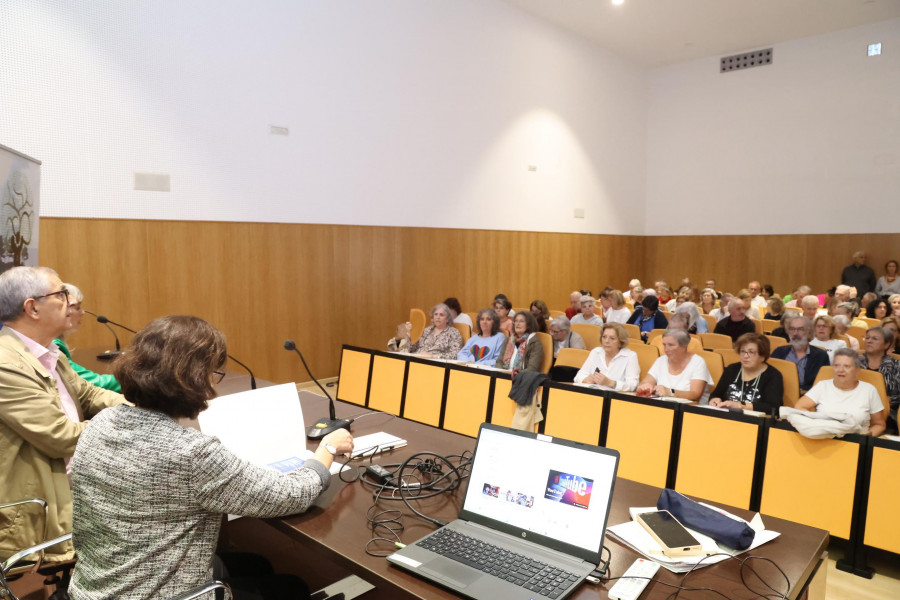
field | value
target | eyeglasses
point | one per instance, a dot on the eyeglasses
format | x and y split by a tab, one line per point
796	329
64	292
217	377
749	352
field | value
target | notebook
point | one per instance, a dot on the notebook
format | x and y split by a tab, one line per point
532	521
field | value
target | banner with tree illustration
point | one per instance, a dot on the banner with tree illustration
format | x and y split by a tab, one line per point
20	176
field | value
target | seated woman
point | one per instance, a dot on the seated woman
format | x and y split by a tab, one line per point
878	344
683	295
483	348
679	373
456	312
708	300
76	314
841	325
851	311
892	322
825	336
563	337
774	309
846	393
523	350
618	312
541	314
611	365
502	306
889	283
750	383
588	306
878	309
894	301
696	323
647	316
439	340
149	494
679	320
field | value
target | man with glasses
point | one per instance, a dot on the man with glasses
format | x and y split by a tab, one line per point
43	406
808	359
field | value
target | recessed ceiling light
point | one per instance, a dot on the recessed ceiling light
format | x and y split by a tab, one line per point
875	49
618	2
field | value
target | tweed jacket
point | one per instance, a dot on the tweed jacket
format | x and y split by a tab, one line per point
35	439
149	499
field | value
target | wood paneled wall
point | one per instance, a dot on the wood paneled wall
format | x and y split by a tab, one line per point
320	285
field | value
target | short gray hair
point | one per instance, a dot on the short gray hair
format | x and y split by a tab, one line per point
681	336
850	353
692	311
75	294
18	285
850	307
562	322
807	323
445	308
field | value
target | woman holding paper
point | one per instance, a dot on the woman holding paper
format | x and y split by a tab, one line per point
149	494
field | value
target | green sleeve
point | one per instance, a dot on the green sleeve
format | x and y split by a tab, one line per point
107	382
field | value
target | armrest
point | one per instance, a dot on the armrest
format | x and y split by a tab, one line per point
205	589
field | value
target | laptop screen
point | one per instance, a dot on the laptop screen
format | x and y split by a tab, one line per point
524	482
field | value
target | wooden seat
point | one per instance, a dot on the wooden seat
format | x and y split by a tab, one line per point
715	364
793	309
589	333
729	355
858	332
711	321
770	325
634	332
571	357
870	322
758	324
557	313
474	317
791	380
646	354
547	344
418	319
716	340
872	377
464	330
775	341
654	333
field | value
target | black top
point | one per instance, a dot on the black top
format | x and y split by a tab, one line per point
765	394
862	278
734	329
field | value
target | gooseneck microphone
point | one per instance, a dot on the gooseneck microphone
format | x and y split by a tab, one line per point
252	378
322	427
108	354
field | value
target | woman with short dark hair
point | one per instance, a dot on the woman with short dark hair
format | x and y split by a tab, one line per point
149	493
750	383
483	348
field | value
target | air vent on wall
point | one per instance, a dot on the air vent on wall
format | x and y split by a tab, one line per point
736	62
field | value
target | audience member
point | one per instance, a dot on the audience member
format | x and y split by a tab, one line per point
541	314
722	312
588	304
679	373
799	294
751	310
775	309
781	330
665	295
708	300
808	359
456	312
612	364
637	295
150	494
867	299
679	321
847	394
889	283
894	301
842	293
878	344
522	351
754	288
483	348
563	336
810	307
648	317
43	409
850	310
878	309
439	340
618	311
750	383
574	307
76	314
825	336
892	322
502	308
683	295
767	292
696	324
841	325
737	324
631	285
711	284
859	275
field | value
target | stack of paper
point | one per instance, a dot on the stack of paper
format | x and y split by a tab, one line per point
633	535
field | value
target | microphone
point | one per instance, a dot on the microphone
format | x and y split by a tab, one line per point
108	354
323	426
252	378
104	320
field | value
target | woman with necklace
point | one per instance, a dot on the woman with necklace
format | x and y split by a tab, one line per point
888	284
877	344
612	364
679	373
439	340
751	383
523	350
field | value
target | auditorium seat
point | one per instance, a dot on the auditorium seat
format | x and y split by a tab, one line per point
464	330
634	332
716	340
418	319
715	364
589	333
729	355
547	344
646	354
791	380
571	357
872	377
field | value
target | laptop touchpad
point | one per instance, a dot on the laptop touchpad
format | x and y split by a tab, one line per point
451	571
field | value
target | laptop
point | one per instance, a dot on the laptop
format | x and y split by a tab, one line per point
532	521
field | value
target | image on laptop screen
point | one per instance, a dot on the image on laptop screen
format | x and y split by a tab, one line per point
552	489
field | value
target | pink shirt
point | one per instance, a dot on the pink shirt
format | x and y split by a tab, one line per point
48	357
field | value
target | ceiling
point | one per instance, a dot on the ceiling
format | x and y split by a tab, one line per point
655	33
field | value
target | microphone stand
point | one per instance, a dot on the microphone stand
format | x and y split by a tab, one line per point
323	426
107	354
252	378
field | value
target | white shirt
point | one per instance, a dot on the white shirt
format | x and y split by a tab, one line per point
828	346
862	400
624	368
758	301
463	318
695	369
579	318
719	313
618	315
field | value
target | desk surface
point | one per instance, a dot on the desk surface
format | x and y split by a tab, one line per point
341	530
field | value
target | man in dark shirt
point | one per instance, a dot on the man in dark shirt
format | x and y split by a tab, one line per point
808	359
737	323
859	275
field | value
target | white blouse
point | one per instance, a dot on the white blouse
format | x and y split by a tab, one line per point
624	368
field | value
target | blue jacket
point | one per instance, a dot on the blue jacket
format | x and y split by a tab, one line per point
818	358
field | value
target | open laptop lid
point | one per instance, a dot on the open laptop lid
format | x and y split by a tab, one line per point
553	492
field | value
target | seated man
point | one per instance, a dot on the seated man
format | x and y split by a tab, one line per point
737	324
563	336
43	405
722	312
808	359
678	322
574	307
588	304
802	292
810	307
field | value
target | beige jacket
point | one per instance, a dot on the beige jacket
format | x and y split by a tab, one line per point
35	439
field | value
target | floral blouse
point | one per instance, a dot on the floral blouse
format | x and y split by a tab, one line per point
444	344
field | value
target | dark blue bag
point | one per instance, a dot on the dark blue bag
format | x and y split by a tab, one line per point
725	530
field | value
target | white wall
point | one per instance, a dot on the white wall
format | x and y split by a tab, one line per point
401	112
809	144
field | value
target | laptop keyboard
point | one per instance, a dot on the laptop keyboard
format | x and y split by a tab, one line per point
531	574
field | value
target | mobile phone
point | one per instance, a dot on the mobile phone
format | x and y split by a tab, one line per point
671	535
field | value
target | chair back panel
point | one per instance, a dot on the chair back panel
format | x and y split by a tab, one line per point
775	341
643	458
715	364
634	332
770	325
418	319
791	380
571	357
729	355
573	415
464	330
547	345
646	354
467	401
589	333
716	340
